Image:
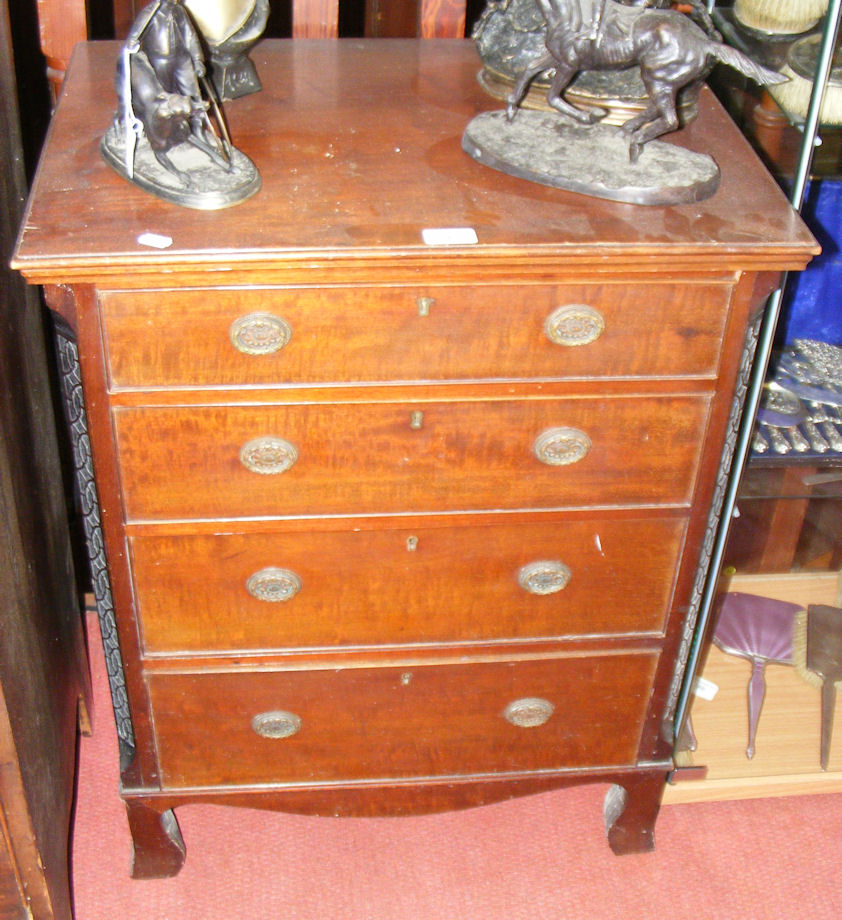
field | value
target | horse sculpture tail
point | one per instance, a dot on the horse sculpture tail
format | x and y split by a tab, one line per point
746	66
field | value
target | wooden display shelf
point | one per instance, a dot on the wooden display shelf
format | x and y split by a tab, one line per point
786	760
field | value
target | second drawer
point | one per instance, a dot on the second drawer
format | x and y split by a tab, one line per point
371	458
236	592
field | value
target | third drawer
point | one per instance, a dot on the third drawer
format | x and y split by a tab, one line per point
364	587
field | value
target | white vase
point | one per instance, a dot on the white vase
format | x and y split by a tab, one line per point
780	17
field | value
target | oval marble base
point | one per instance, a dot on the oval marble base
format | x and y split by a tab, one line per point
211	187
550	149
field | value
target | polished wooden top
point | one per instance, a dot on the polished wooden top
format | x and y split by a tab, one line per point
359	147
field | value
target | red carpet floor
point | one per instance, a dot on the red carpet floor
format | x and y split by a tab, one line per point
538	858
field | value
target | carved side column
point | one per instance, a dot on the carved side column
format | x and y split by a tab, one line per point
71	384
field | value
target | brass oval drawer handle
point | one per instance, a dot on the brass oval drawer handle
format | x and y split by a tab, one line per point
273	584
277	723
259	333
574	324
529	712
268	455
544	576
561	446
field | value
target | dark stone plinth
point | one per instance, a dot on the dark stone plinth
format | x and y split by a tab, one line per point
550	149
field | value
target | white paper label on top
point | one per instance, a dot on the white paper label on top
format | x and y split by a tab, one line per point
449	236
155	240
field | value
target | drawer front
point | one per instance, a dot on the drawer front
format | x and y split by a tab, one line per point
390	587
415	721
278	336
266	461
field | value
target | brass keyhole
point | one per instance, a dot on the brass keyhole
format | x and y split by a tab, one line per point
424	304
416	420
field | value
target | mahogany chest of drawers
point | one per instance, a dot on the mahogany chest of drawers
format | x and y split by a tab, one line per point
394	527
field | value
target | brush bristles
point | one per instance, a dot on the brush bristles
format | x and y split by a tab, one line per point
799	652
781	17
794	98
683	758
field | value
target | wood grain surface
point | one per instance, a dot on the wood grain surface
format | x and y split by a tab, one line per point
367	333
404	586
366	458
358	153
396	722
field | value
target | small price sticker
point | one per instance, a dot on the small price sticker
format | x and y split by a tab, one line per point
155	240
705	689
449	236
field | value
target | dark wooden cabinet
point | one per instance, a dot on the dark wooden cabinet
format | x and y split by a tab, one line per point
43	666
395	527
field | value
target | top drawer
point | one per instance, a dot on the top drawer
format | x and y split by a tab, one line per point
232	337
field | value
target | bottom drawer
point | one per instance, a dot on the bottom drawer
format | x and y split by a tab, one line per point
298	726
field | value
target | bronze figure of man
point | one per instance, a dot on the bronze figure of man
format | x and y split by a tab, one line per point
165	33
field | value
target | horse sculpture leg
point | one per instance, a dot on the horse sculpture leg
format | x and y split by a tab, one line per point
563	75
633	125
539	64
647	126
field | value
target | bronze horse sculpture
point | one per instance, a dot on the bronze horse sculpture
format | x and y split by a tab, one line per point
670	49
